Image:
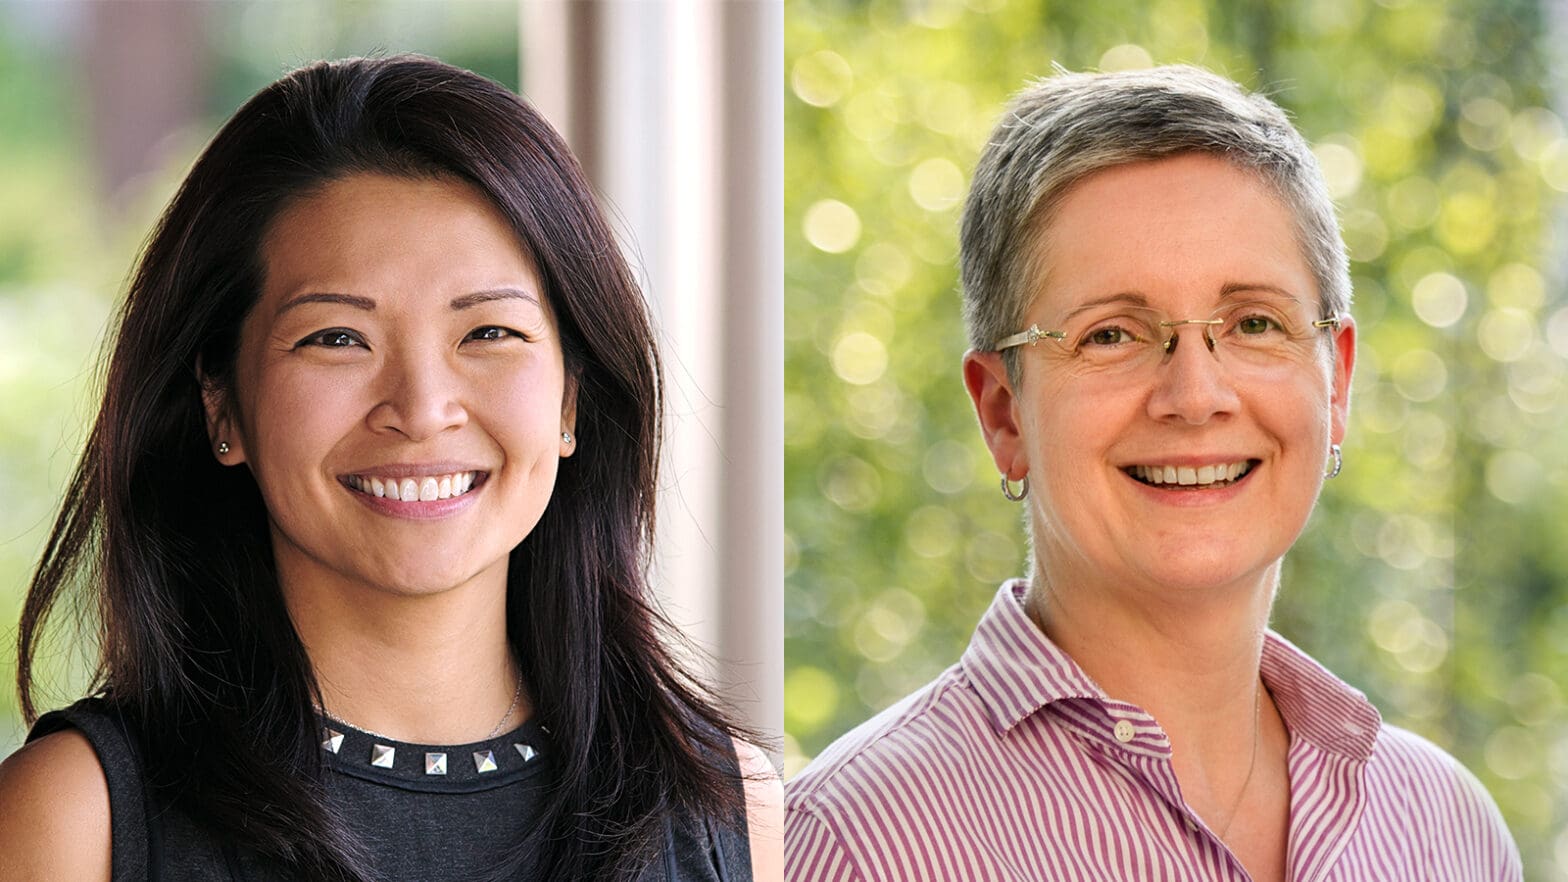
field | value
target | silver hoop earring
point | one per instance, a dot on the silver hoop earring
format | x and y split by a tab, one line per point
1339	462
223	447
1023	489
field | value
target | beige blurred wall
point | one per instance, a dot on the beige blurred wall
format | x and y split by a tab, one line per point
677	112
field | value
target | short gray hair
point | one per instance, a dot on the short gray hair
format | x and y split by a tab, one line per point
1061	129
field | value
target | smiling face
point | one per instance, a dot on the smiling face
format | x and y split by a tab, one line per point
400	394
1187	470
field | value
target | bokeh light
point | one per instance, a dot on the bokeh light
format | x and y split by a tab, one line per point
832	226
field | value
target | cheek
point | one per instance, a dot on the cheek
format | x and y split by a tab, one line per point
301	404
1068	427
1305	409
1067	436
522	407
292	420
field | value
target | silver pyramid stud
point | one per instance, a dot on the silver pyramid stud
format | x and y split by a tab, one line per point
484	761
382	756
333	741
435	764
526	751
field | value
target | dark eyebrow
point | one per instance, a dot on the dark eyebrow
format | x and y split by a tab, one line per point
369	305
479	297
364	303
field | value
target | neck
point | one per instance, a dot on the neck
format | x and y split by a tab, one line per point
429	669
1189	658
1155	645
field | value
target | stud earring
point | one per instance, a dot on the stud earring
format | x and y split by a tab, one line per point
223	447
566	437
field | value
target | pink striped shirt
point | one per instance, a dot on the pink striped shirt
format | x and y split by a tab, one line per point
1014	765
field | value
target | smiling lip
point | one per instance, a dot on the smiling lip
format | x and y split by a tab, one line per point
1189	476
416	490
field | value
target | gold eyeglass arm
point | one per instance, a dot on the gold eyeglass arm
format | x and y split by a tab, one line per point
1027	337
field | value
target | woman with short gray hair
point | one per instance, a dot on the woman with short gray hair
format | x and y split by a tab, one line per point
1158	302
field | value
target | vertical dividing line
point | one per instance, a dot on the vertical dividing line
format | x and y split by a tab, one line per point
751	268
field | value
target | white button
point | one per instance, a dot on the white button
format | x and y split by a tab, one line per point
1124	731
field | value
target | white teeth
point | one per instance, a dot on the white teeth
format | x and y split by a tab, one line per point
1190	476
426	488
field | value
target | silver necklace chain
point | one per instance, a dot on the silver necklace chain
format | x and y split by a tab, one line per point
1257	726
517	695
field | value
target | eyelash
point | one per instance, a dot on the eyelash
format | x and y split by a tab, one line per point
506	333
476	335
319	338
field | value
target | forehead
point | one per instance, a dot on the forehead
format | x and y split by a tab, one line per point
382	236
1176	231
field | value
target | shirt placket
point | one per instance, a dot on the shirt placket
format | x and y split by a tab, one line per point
1135	742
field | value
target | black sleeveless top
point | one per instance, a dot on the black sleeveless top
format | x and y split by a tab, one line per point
425	813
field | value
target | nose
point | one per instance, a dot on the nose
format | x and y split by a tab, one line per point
1191	383
418	396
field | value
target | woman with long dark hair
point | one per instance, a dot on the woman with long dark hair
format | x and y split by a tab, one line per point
365	517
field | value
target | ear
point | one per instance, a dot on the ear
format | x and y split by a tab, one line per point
569	415
222	427
985	376
1344	367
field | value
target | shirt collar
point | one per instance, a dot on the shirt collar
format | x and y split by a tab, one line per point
1016	670
1316	705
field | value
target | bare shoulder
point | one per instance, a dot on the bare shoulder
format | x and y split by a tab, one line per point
764	811
54	811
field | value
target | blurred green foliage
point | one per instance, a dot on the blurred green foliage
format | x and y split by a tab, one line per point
1435	573
65	253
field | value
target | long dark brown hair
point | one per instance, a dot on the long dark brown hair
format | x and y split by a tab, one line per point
197	647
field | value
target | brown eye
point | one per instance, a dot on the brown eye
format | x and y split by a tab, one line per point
336	338
491	332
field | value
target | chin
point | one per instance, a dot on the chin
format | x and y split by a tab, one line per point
421	584
1198	576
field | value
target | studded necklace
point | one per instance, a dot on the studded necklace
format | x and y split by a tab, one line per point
384	756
